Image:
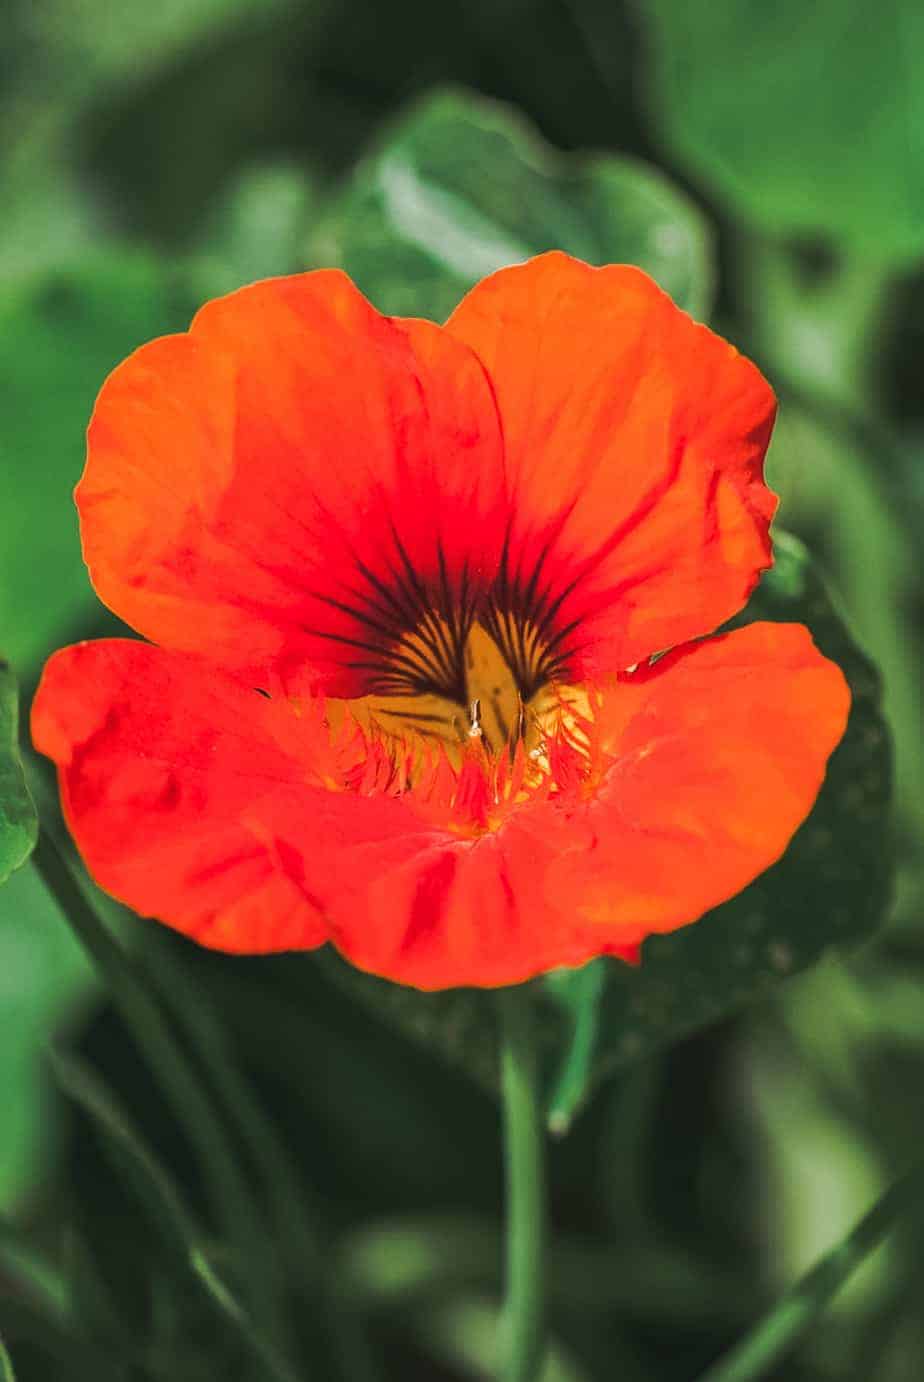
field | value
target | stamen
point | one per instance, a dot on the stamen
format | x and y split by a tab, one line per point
444	661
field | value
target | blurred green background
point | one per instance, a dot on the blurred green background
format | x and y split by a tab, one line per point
766	164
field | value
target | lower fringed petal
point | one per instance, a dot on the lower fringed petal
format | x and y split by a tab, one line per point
236	817
716	753
171	782
466	913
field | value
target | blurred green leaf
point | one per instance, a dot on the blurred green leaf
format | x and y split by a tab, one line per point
18	821
410	1261
30	1271
60	334
60	61
464	1332
829	889
152	1182
41	970
164	1200
837	490
39	965
821	325
818	1163
461	186
774	1337
146	37
296	1212
805	119
235	1203
6	1364
256	230
53	1346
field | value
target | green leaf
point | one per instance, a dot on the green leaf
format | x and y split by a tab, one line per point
6	1365
774	1337
166	1205
60	334
800	125
130	1153
227	1185
52	1344
463	1333
409	1261
70	69
29	1271
255	231
830	889
461	186
18	821
835	484
43	970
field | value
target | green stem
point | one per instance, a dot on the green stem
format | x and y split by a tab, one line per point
779	1331
233	1202
524	1148
571	1085
6	1365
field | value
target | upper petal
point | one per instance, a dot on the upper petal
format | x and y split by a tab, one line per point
634	444
280	487
718	753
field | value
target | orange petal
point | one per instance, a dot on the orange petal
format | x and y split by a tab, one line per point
277	487
172	782
634	444
446	913
229	817
720	750
232	817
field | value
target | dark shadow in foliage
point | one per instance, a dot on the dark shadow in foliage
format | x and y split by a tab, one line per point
315	81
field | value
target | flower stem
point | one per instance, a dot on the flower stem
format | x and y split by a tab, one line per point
774	1336
524	1150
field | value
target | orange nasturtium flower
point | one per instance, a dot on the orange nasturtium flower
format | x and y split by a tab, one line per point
428	675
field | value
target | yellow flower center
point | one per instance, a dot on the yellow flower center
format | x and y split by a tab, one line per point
477	696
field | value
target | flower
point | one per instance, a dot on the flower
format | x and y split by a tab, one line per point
429	675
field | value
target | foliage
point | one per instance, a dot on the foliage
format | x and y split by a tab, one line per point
61	332
18	822
738	91
458	188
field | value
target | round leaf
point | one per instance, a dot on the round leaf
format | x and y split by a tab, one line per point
61	333
42	971
805	119
18	821
462	186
